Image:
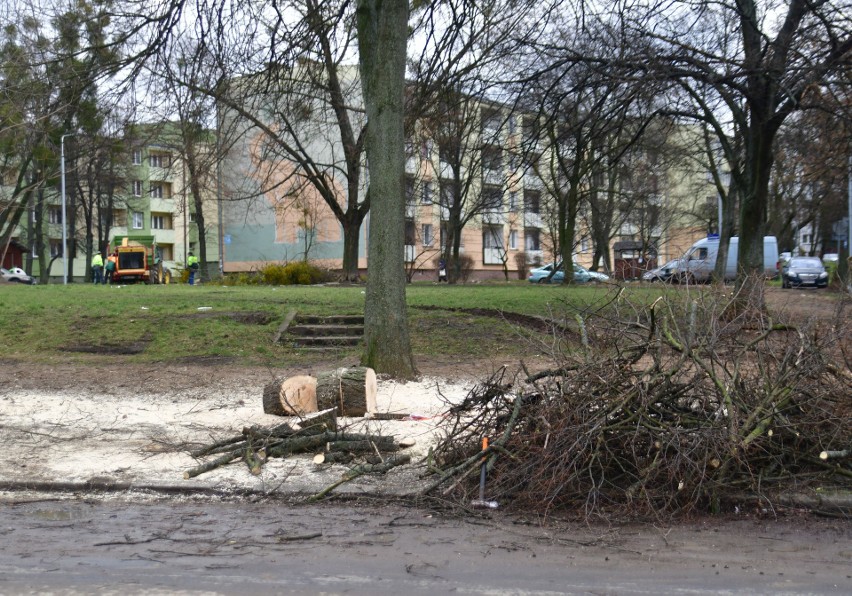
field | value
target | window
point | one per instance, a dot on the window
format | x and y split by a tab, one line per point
161	221
54	215
492	160
492	198
409	190
192	218
156	190
56	248
513	124
492	238
137	157
513	239
138	220
445	154
137	188
409	232
159	160
532	200
426	149
806	238
513	201
531	240
584	244
448	195
426	197
428	237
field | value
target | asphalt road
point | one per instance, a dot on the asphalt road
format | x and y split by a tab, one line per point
87	545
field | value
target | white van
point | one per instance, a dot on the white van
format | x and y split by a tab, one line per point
699	261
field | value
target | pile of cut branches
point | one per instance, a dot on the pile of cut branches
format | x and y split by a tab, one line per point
319	435
660	409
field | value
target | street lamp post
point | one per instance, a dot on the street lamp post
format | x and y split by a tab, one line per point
64	225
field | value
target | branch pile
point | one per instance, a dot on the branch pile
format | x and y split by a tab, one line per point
660	409
319	435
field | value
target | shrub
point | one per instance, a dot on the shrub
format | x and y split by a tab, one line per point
294	273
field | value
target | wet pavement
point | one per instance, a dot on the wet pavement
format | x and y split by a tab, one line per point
83	544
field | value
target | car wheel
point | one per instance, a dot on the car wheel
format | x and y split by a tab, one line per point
543	280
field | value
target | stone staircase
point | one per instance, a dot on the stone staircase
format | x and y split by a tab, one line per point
324	333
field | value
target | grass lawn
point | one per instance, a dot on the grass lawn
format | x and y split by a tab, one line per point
81	322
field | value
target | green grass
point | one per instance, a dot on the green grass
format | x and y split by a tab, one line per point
81	322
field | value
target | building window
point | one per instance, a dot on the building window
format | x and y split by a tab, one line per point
492	238
584	244
159	160
428	237
54	215
492	198
137	188
426	149
426	197
56	248
156	190
513	239
409	232
532	201
137	157
513	201
138	220
192	218
409	190
531	240
806	238
448	195
161	221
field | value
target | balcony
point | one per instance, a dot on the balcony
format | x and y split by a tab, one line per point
533	220
495	217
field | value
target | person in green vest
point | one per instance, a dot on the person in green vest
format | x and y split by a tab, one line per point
192	264
109	268
97	268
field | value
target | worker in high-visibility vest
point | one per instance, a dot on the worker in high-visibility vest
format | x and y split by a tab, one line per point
97	268
192	265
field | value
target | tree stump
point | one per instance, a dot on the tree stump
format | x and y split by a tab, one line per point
293	396
351	390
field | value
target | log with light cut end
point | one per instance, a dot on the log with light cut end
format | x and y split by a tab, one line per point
826	455
293	396
351	390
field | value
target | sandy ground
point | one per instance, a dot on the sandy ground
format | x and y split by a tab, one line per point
117	434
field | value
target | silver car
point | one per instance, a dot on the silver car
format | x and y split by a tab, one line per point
17	275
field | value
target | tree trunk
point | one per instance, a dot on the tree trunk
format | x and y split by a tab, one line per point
382	28
293	396
351	238
351	390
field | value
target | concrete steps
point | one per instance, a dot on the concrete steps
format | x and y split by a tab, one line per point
324	332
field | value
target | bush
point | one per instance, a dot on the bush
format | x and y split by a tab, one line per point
460	270
294	273
277	274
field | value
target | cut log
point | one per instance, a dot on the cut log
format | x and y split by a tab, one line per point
319	422
293	396
333	458
351	390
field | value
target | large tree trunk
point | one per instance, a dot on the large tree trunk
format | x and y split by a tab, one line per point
382	34
351	237
351	390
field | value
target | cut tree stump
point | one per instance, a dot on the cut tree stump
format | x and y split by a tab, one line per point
351	390
293	396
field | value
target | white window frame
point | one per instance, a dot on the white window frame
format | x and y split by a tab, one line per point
426	196
137	188
138	220
428	235
513	239
157	191
137	157
158	219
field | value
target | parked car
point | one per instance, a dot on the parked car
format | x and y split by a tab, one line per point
541	275
663	273
17	275
594	276
830	257
804	271
699	262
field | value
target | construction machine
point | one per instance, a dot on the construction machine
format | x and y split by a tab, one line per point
136	261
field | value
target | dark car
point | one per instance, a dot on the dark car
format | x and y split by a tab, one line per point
804	271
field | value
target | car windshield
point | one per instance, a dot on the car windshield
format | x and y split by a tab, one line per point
806	262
